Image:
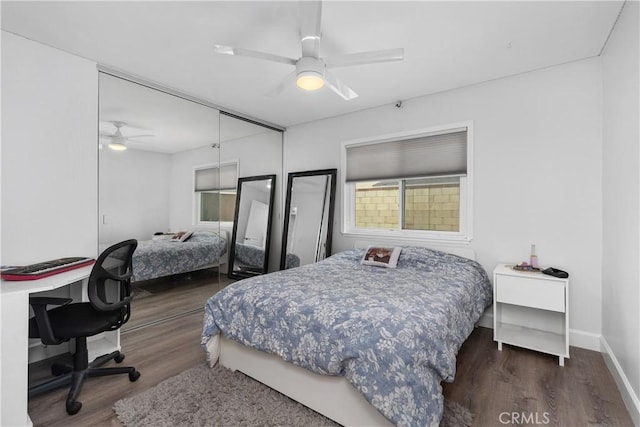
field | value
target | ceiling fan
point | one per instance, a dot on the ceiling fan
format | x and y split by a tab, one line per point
311	71
117	139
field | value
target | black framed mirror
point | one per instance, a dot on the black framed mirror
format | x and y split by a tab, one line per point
249	249
308	219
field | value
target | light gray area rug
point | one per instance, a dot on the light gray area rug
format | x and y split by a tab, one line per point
202	396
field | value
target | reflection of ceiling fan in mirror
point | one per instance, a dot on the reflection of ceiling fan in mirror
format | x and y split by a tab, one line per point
117	141
311	70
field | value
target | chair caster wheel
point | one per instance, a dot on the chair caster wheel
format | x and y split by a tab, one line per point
119	358
133	376
74	407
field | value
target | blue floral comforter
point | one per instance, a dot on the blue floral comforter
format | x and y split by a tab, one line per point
159	258
392	333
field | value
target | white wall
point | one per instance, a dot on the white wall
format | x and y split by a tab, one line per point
49	153
621	205
538	170
134	194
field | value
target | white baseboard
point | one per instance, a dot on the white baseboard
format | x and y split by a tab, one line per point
587	340
628	395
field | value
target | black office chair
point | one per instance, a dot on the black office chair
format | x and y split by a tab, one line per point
107	310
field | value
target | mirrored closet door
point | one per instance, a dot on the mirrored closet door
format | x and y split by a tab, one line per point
254	150
160	183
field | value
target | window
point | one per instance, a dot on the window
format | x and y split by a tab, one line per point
409	186
215	192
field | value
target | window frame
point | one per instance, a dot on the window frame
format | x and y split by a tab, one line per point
197	198
465	233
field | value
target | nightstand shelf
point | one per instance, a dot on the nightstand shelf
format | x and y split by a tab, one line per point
532	339
531	311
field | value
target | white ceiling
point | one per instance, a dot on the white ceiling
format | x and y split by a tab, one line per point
447	45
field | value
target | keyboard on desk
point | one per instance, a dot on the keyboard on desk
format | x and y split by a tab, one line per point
45	269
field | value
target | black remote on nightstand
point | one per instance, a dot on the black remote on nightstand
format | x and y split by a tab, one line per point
556	272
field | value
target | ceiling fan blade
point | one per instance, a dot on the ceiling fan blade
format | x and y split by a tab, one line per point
369	57
289	80
338	87
227	50
138	136
310	31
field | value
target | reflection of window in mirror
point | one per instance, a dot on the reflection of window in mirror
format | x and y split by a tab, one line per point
215	192
217	206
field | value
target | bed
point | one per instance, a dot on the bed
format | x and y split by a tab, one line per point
164	257
362	345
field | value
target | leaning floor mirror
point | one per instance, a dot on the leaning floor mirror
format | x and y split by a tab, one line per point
249	250
308	221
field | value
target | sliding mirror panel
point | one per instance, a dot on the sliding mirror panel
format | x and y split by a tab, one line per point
308	225
249	251
159	170
252	150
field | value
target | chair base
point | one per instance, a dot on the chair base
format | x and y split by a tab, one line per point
81	369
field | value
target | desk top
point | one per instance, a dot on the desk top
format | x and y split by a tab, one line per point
46	283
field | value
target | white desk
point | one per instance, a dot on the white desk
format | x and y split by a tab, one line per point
14	343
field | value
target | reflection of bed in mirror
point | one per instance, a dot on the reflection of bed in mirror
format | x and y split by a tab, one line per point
249	249
161	257
308	226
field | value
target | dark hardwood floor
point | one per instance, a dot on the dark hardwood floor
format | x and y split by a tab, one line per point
518	386
166	297
524	387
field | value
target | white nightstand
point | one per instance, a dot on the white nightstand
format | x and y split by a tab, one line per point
531	310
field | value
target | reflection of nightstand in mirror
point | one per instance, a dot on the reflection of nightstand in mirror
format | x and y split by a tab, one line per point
531	310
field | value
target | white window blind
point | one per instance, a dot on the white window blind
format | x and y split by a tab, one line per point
224	177
425	156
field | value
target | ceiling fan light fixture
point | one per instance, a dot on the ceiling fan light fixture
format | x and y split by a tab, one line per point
117	146
310	80
309	73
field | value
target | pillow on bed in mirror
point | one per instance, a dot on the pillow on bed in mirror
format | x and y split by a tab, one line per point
380	256
186	236
181	236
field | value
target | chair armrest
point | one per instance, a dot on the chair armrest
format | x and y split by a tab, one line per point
45	330
105	306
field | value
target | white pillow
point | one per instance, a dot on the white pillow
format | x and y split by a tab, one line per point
380	256
181	236
186	235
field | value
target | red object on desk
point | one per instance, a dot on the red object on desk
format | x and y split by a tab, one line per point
45	269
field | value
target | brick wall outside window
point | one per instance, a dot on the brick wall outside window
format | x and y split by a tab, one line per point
427	207
377	207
